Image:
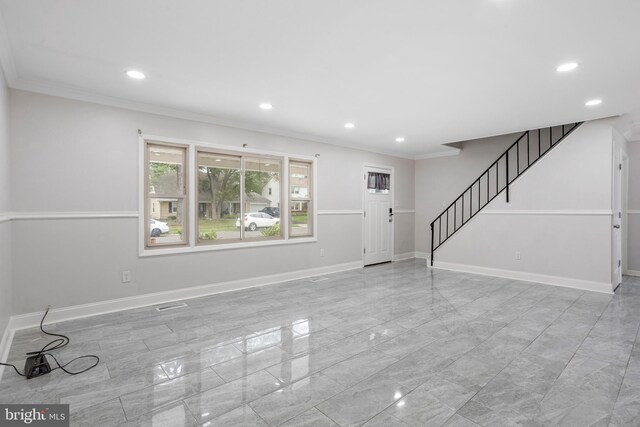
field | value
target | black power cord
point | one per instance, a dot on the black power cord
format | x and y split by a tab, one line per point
56	344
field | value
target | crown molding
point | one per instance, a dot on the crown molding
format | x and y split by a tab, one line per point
452	152
78	94
633	133
6	56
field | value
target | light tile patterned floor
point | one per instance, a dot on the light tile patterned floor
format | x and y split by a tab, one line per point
390	345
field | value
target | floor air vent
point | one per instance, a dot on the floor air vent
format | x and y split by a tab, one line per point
319	279
171	306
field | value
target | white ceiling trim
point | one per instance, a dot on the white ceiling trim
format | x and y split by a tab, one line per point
7	63
77	94
633	134
451	152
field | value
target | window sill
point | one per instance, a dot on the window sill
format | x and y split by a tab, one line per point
223	246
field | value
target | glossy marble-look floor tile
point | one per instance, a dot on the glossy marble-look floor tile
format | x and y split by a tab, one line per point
146	400
432	403
292	400
310	418
172	415
389	345
360	403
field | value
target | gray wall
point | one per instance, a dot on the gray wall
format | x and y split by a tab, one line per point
72	156
633	237
558	219
5	227
440	180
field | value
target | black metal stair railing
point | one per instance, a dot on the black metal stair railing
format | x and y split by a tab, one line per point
530	147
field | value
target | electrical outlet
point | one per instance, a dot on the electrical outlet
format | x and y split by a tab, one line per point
321	252
126	276
518	256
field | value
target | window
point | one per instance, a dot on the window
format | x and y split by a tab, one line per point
262	218
219	197
229	214
300	208
166	196
378	182
235	199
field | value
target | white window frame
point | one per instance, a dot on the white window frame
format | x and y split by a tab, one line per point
146	196
192	216
242	157
311	203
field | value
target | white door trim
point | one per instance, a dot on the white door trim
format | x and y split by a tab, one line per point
625	211
616	218
363	190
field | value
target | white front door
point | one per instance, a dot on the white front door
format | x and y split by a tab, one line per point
617	216
378	215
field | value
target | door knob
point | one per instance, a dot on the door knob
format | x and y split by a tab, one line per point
616	226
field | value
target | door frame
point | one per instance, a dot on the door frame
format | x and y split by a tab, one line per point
363	190
625	208
619	184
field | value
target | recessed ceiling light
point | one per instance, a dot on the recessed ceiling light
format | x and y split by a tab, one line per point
138	75
400	139
567	67
266	106
349	125
218	160
593	102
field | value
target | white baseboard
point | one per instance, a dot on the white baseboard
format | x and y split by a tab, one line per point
402	257
566	282
30	320
5	344
635	273
422	255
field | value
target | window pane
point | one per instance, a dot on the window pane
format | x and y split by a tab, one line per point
218	197
299	180
378	182
300	224
165	226
166	170
300	199
166	200
262	198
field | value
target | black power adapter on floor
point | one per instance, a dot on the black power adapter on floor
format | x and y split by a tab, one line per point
37	364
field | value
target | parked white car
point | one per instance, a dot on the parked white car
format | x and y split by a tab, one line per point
255	220
156	228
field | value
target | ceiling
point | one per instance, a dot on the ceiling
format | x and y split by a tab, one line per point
434	72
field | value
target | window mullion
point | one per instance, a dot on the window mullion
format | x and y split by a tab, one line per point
284	200
192	199
242	195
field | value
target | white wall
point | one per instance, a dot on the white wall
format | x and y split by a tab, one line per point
72	156
633	237
440	180
559	217
5	226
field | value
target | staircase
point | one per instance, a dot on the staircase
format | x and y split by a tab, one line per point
530	147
